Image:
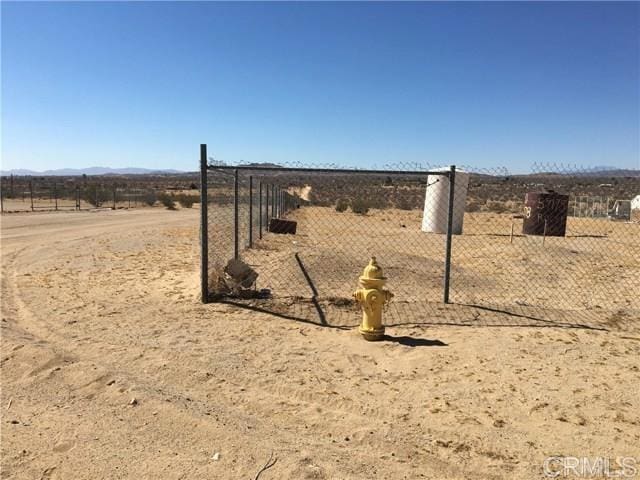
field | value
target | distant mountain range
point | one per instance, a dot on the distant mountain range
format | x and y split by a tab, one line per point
592	172
68	172
605	171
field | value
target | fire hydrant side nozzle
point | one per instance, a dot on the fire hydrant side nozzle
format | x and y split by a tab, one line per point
372	296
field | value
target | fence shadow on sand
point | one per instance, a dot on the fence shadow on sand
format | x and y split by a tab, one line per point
324	313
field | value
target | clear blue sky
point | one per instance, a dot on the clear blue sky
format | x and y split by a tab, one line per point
483	84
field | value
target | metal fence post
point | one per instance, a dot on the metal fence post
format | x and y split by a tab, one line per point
204	227
273	200
114	196
260	209
250	211
77	198
1	199
31	193
235	215
55	195
447	259
266	208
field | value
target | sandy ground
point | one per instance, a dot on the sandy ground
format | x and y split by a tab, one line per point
111	368
586	278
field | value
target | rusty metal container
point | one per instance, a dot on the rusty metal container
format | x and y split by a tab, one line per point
545	213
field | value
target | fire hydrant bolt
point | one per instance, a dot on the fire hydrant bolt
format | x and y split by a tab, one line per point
372	296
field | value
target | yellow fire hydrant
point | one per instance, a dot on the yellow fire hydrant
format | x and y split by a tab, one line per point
372	296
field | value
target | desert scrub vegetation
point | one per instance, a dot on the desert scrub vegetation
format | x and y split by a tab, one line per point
405	203
185	200
360	206
496	206
167	200
342	205
96	196
149	198
472	206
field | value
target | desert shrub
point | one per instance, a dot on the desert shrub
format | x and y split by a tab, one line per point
496	207
89	196
96	196
320	201
342	205
379	201
404	203
360	206
167	200
186	201
149	198
513	207
472	206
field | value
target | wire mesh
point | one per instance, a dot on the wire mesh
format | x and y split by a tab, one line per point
576	259
548	241
342	219
40	194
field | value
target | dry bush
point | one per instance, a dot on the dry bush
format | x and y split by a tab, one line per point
495	206
513	207
360	206
149	198
472	206
185	200
404	203
342	205
167	200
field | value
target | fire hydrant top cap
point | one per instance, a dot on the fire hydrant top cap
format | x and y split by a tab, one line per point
373	271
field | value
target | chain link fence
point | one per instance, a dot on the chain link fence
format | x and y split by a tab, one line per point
32	194
309	234
551	247
555	241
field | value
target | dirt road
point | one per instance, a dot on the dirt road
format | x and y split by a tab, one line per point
111	368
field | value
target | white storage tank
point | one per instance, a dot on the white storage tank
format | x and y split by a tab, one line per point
436	202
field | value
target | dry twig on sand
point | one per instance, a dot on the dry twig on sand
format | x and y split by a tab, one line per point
266	466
